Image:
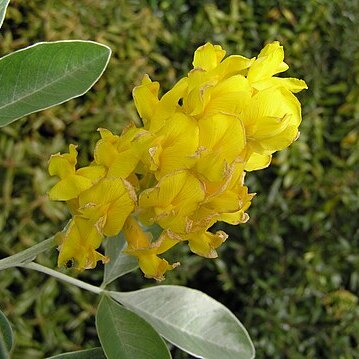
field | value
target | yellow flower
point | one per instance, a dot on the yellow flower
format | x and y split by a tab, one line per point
227	202
140	245
202	242
101	211
121	154
271	119
79	243
152	110
175	146
209	58
171	201
222	140
247	89
205	243
186	164
108	203
214	85
72	182
270	62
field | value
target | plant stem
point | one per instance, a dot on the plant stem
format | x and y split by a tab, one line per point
28	254
63	277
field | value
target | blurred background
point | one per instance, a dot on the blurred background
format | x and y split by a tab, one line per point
291	274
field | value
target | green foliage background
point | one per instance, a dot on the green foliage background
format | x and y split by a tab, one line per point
291	274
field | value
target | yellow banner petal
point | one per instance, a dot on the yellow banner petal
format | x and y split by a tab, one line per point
207	57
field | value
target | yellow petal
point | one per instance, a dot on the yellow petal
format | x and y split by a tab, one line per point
271	120
93	173
124	163
198	78
239	216
222	133
164	243
140	246
117	213
233	65
104	191
172	159
70	187
237	83
135	236
280	141
146	98
140	241
222	139
257	161
228	96
105	151
234	218
121	154
208	56
291	84
178	144
204	244
229	202
154	267
196	100
107	134
264	104
73	205
174	198
168	104
271	126
268	63
225	202
174	189
62	165
179	127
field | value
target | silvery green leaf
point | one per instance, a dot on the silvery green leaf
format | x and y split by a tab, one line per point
191	320
47	74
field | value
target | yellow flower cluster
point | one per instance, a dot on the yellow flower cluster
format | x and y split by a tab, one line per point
184	169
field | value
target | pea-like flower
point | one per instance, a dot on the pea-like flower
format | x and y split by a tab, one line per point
184	169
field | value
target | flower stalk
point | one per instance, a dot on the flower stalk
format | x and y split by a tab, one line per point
62	277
